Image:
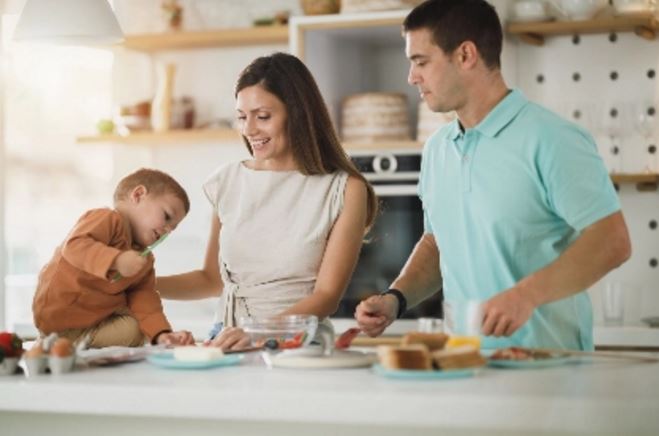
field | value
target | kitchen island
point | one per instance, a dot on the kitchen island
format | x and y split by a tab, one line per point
586	396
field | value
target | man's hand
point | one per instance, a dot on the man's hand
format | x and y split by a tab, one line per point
129	263
376	313
506	312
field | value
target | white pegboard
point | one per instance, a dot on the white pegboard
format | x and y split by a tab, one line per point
635	64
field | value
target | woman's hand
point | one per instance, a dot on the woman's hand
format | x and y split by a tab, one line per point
182	337
231	338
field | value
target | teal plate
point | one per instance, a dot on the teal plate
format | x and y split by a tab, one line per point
166	360
412	374
529	364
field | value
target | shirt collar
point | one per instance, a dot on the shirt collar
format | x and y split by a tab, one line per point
498	118
502	114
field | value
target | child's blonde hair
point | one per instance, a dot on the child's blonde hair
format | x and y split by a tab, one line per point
155	181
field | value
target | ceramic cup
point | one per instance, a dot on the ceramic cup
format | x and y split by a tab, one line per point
60	365
8	365
530	10
35	365
579	9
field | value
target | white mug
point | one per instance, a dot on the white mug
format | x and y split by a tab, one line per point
528	10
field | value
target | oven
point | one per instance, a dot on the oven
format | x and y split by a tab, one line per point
398	227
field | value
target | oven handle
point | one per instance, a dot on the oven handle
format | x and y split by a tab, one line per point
395	190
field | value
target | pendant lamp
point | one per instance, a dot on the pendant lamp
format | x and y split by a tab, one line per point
68	22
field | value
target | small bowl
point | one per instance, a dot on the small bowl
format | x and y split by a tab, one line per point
35	365
60	365
8	365
280	332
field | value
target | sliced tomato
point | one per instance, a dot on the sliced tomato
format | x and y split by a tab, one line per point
344	341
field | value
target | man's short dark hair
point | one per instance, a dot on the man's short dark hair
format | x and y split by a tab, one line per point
453	22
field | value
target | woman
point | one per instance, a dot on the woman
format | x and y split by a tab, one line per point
289	223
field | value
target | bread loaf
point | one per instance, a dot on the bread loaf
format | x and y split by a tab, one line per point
429	122
458	358
405	357
375	116
434	341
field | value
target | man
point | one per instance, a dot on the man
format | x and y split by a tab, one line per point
519	210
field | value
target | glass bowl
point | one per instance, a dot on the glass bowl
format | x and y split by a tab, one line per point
280	332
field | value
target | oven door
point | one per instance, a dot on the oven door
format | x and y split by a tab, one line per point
397	229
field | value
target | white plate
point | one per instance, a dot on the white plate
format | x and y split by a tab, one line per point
166	360
338	359
414	374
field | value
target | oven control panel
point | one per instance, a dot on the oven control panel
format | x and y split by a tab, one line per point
384	165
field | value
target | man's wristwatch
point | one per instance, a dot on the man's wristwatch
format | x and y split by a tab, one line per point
402	301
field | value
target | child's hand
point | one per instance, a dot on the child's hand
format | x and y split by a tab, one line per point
182	337
129	263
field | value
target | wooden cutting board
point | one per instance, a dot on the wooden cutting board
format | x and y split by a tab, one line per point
366	341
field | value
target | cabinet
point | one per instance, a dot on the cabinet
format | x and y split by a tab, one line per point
356	53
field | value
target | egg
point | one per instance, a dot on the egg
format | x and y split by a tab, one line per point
62	347
35	351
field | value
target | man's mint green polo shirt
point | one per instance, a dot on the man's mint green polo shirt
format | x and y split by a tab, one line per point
505	199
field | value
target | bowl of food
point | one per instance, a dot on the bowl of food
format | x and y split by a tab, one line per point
280	332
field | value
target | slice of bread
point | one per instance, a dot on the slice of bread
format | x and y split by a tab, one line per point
465	356
414	356
434	341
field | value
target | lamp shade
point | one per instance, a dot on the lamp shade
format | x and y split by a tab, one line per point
79	22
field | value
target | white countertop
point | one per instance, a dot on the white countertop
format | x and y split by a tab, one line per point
595	397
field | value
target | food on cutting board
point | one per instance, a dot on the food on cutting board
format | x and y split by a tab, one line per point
434	341
428	351
519	353
193	353
345	339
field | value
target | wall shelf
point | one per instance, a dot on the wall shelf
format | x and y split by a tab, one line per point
643	181
260	35
149	138
169	137
644	25
383	145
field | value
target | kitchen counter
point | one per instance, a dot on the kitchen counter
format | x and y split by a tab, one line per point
602	396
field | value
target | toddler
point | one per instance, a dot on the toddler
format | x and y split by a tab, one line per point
100	284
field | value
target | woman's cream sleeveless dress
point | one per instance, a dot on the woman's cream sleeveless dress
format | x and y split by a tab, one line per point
275	226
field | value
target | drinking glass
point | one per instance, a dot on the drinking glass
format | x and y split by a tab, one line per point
463	317
613	304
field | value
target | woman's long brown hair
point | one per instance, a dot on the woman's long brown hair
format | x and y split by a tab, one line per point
311	135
